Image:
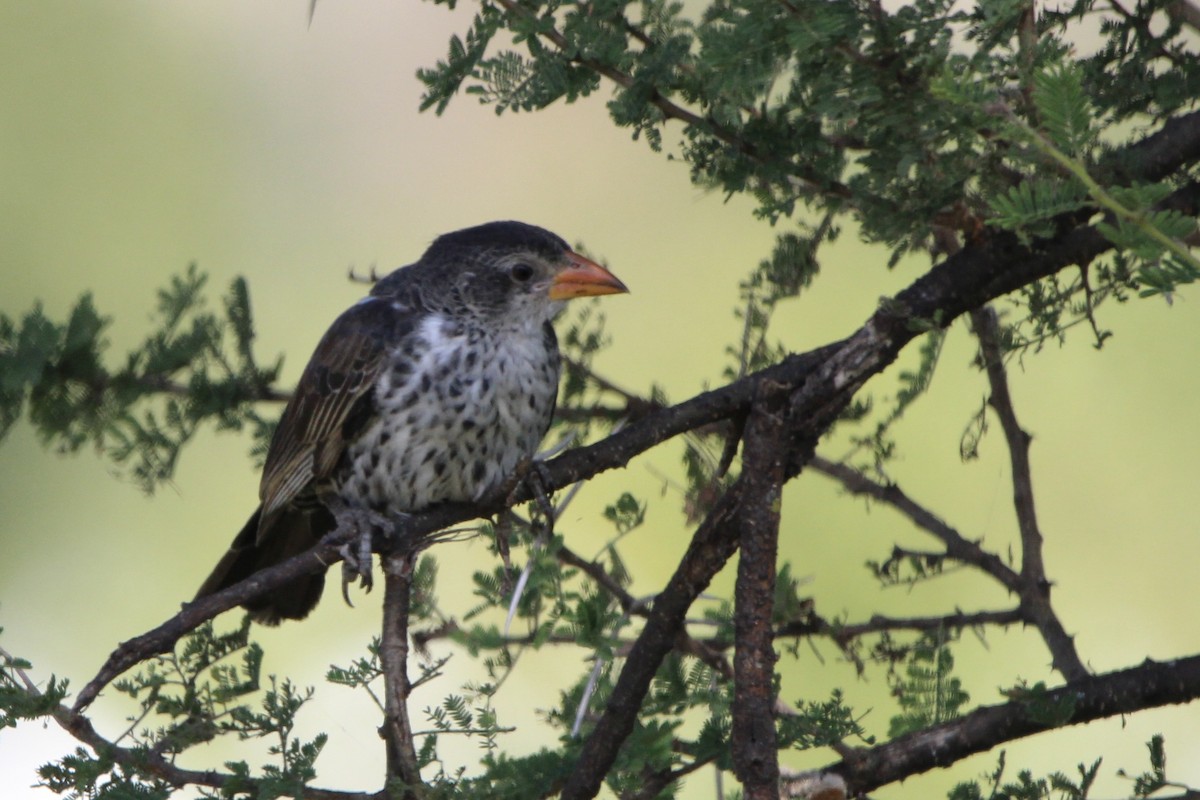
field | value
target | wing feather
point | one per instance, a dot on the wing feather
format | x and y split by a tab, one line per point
343	371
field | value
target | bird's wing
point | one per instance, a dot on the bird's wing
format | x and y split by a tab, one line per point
336	387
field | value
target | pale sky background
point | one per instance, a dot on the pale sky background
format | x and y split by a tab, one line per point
138	137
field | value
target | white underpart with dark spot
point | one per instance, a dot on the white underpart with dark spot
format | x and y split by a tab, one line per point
458	408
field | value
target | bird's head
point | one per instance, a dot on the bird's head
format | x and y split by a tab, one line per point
510	271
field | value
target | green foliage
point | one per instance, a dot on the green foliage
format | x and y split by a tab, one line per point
840	110
1060	786
85	775
194	367
791	268
360	673
1029	208
789	604
442	82
821	724
195	688
1042	706
1146	63
879	441
515	778
1057	785
193	695
16	701
456	716
1063	109
276	721
927	692
1155	778
627	514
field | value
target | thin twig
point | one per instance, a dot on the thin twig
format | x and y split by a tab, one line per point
1035	586
958	546
844	633
139	760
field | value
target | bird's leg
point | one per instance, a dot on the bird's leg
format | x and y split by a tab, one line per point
503	533
356	560
532	473
538	479
358	525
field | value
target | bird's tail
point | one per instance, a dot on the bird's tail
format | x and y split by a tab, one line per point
290	533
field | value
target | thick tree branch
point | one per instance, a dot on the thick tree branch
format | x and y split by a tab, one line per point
1148	685
979	274
402	769
711	546
753	740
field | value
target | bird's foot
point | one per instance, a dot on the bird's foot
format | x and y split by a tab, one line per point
538	480
534	475
360	526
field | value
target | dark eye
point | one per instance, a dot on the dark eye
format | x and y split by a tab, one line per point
521	272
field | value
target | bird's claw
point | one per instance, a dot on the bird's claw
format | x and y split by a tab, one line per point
537	478
360	524
530	472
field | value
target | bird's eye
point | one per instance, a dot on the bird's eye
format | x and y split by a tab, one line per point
521	272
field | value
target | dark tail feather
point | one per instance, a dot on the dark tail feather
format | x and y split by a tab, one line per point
291	533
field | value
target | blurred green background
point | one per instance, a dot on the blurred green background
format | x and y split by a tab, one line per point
137	137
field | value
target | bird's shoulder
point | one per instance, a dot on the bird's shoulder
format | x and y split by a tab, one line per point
350	354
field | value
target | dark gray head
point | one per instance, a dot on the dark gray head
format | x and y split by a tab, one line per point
504	271
498	238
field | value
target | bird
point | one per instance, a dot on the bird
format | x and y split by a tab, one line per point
435	387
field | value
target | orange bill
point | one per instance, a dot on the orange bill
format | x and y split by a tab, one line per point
582	277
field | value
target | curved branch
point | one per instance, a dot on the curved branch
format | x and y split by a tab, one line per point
1148	685
1035	586
879	623
958	546
143	761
